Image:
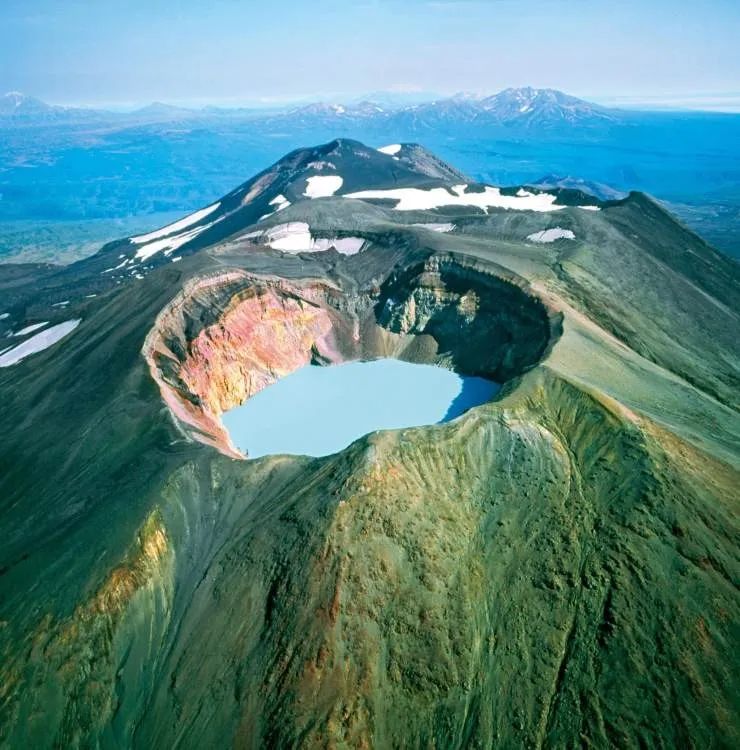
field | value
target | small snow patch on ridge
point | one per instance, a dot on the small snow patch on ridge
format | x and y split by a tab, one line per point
391	150
176	226
444	228
319	165
37	343
169	244
31	328
280	201
322	186
550	235
296	237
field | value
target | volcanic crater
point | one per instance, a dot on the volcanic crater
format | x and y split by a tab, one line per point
225	337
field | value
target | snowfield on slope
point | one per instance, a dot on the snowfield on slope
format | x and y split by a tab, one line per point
169	244
417	199
550	235
322	186
37	343
391	150
31	328
177	226
295	237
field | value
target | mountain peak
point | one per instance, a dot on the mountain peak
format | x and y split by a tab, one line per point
161	109
466	96
321	108
16	103
531	106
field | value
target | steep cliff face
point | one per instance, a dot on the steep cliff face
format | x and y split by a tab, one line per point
227	337
483	323
260	337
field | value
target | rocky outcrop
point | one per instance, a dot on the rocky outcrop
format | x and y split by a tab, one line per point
483	323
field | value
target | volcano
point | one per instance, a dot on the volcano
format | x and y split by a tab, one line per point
555	567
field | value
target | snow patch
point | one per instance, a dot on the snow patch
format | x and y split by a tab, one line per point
417	199
292	237
343	245
444	228
280	201
31	328
123	263
4	315
176	226
322	186
319	165
170	244
37	343
590	208
550	235
391	150
295	237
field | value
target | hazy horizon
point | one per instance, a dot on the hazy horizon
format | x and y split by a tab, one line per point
720	102
233	54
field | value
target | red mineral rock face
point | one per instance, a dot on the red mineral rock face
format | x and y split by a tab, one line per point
258	340
266	331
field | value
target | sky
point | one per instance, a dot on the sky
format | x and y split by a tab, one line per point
106	52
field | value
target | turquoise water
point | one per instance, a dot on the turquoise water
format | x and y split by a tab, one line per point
317	411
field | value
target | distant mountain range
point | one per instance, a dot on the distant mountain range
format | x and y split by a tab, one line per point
513	107
18	106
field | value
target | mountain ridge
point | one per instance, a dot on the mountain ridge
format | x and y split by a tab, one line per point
545	106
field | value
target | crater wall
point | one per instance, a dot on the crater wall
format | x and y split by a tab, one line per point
226	337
